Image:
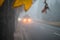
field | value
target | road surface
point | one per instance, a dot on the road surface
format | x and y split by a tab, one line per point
36	31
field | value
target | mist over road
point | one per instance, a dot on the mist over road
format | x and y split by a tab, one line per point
36	31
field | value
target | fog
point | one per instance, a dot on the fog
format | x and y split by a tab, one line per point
53	14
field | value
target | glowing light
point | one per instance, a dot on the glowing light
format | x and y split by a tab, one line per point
29	20
24	20
19	19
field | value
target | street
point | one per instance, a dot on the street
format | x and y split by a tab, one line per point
36	31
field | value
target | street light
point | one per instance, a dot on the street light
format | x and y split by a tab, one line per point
19	19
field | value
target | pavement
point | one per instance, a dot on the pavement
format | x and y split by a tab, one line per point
55	23
37	31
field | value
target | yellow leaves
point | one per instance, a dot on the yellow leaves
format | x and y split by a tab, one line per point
1	2
26	3
17	3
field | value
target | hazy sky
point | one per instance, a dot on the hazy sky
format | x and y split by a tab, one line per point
35	11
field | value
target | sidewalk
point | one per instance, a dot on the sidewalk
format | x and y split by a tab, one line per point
49	22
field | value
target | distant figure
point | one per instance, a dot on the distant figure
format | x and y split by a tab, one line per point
45	7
